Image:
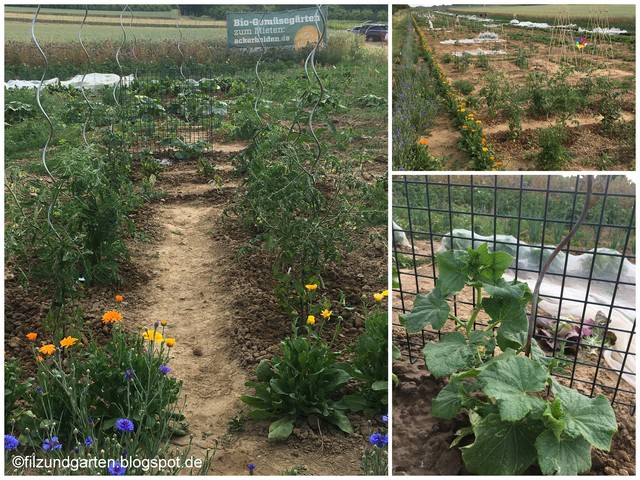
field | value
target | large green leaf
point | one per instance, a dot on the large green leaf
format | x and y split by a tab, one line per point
569	456
501	448
451	267
431	309
553	418
451	399
339	419
451	354
591	418
493	264
507	305
281	429
510	382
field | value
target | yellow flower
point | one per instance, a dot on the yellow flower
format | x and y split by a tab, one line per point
462	110
170	342
492	157
311	287
385	293
111	316
152	336
48	349
326	313
68	341
485	149
32	336
378	297
163	323
478	122
311	320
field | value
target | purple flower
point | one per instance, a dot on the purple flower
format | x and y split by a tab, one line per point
587	328
164	369
39	390
129	374
88	441
116	468
251	468
385	418
378	439
10	442
51	444
124	425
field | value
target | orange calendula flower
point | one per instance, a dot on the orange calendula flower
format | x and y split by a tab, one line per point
170	342
48	349
484	140
32	336
111	316
493	169
311	287
378	297
311	320
499	164
68	341
40	358
464	127
163	323
153	336
492	157
119	298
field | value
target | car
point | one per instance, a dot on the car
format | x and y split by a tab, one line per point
372	32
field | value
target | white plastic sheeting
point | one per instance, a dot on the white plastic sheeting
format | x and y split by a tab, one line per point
92	81
578	294
482	38
479	51
399	237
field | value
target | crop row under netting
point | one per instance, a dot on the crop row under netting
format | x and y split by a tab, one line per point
586	317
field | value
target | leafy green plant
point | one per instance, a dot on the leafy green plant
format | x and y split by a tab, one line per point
462	62
504	394
301	382
552	155
483	62
368	365
464	86
15	112
447	58
181	150
17	414
522	58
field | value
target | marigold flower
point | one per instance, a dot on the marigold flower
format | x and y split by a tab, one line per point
423	141
385	293
485	149
119	298
32	336
484	140
311	287
111	316
68	341
311	320
170	342
378	297
48	349
152	336
499	164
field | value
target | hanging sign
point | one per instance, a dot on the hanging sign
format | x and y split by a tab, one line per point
293	28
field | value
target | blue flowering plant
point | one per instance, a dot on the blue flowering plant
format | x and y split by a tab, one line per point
375	460
517	411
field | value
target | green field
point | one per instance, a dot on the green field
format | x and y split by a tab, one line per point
548	11
80	11
61	33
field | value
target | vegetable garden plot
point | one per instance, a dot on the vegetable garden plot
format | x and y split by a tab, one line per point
200	272
534	103
586	317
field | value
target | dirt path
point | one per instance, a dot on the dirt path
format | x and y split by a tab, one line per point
195	284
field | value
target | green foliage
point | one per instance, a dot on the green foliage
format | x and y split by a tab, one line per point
299	383
17	413
553	155
522	59
462	62
509	417
482	61
181	150
464	86
368	365
15	112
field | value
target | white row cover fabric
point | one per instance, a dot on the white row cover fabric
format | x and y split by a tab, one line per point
92	81
482	38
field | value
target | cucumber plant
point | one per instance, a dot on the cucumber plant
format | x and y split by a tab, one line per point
519	415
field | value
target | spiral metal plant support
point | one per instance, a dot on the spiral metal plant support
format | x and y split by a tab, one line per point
260	82
46	116
178	18
547	264
124	41
84	95
133	44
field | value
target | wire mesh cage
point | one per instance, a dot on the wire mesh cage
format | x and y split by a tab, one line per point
586	319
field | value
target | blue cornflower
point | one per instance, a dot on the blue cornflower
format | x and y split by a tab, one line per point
124	425
39	390
378	439
385	418
51	444
116	468
88	441
10	442
251	468
76	449
164	369
129	374
90	420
